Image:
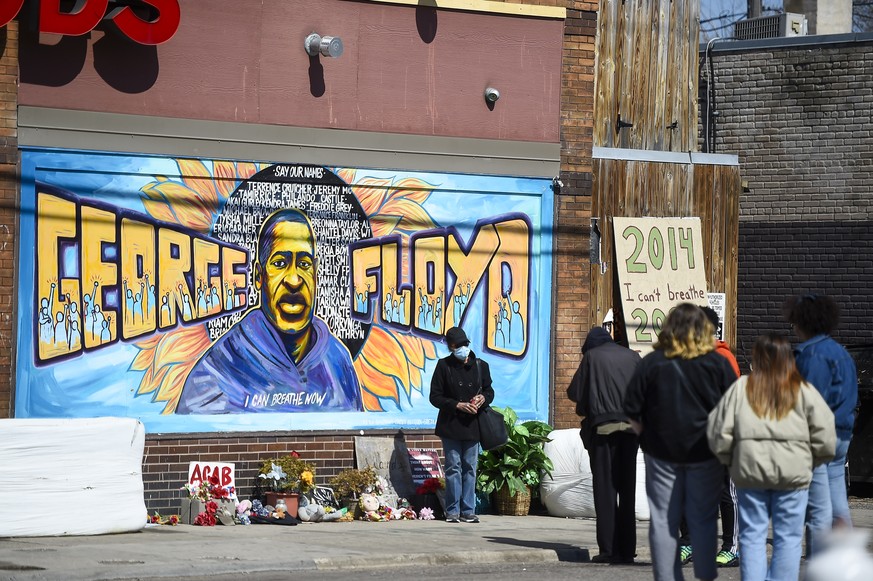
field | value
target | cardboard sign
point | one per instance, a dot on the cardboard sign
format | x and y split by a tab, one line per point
718	303
200	471
424	463
660	264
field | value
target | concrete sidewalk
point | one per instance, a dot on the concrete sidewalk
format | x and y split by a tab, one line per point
185	550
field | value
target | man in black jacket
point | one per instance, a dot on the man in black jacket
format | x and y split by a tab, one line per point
598	390
460	386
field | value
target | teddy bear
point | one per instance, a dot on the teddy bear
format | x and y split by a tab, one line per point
370	507
309	511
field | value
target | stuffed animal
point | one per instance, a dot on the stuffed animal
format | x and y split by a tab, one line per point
370	507
244	511
404	510
309	511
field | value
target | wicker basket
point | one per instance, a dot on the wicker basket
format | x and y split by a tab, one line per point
518	505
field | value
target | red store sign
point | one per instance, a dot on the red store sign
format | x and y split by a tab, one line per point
87	14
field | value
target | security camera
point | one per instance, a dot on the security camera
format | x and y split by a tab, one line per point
491	94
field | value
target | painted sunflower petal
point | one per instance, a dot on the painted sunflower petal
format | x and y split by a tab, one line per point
374	381
413	217
371	402
245	170
387	355
346	174
197	177
383	225
413	189
171	387
225	178
151	381
182	345
156	204
371	193
143	360
415	378
186	206
429	349
411	346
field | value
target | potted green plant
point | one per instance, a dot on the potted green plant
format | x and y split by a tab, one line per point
349	484
508	473
286	478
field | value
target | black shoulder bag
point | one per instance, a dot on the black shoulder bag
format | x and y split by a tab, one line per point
492	427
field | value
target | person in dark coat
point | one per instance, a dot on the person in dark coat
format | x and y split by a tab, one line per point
459	388
598	391
668	402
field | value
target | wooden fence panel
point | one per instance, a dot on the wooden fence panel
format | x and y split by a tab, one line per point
659	189
646	75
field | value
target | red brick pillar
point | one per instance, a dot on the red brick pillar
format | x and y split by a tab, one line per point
573	204
9	180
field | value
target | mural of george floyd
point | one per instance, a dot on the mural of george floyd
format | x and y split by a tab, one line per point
170	298
254	250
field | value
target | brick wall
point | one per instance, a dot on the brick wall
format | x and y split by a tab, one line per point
799	119
573	206
165	466
8	205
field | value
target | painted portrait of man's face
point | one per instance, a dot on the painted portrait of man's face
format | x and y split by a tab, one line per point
286	277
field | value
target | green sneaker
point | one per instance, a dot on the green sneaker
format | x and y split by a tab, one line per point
727	559
685	554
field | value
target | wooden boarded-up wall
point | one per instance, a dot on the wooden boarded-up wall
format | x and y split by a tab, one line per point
646	74
663	189
645	130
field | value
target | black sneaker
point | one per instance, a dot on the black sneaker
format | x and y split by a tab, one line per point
452	518
469	518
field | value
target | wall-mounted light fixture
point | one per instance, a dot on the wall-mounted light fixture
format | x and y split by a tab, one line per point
330	46
492	94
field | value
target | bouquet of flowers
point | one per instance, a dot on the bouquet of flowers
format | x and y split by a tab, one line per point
207	518
287	473
430	486
158	519
209	489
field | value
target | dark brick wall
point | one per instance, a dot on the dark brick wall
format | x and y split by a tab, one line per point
799	119
8	207
165	466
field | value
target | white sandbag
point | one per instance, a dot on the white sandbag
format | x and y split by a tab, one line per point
568	492
85	474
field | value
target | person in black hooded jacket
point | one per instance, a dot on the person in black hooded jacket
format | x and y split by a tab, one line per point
598	390
459	388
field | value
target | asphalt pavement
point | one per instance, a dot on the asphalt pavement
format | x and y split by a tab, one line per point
187	551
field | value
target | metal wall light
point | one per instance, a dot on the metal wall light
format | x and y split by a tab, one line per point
329	46
492	94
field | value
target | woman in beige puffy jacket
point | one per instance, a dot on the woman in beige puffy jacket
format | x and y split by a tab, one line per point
771	428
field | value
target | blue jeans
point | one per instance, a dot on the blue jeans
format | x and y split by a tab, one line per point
787	509
461	459
673	489
828	498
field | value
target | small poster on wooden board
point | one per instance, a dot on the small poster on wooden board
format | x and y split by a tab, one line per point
424	463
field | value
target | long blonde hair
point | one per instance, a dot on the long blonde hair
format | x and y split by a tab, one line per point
687	333
774	383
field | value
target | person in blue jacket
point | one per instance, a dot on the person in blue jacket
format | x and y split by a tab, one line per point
828	366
